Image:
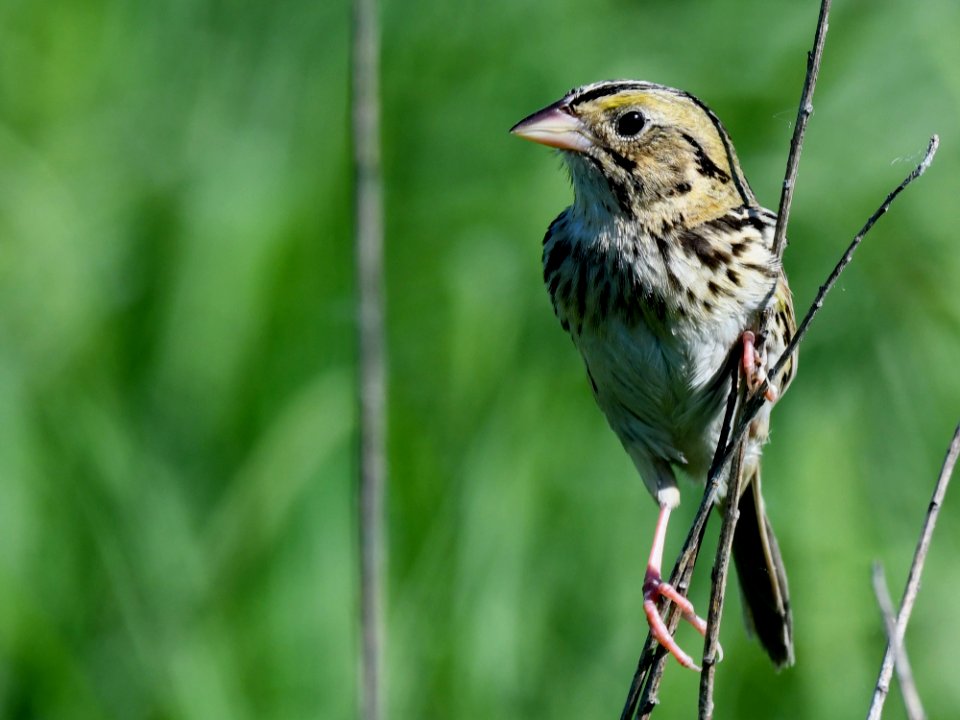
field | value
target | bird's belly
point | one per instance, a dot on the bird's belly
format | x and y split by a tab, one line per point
662	392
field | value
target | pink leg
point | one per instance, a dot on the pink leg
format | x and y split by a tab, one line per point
749	354
654	587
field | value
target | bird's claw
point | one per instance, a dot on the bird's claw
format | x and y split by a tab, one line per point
654	587
754	367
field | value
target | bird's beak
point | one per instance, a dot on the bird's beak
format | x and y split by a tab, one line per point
556	127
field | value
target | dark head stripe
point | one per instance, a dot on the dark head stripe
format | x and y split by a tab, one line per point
746	193
579	96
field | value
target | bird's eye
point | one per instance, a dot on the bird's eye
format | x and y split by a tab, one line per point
630	123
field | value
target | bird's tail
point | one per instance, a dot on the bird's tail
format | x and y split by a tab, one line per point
763	580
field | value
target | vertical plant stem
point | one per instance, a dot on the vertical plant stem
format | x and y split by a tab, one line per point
800	128
368	199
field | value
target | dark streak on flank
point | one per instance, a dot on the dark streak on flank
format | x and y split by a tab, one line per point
785	326
733	276
552	288
738	248
695	244
724	223
563	292
742	218
673	279
555	226
593	383
682	188
761	218
717	289
735	222
762	269
663	248
583	282
554	257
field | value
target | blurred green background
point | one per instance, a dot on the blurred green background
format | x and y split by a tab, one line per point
177	364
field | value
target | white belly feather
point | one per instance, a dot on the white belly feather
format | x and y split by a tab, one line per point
660	393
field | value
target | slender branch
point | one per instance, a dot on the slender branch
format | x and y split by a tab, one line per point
804	111
908	688
652	660
913	579
372	381
848	255
756	399
721	568
800	128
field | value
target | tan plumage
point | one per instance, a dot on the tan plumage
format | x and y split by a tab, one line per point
658	267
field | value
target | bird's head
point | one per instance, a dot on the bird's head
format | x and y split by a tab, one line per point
638	148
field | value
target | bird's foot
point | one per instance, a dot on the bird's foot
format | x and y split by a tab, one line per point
654	588
754	367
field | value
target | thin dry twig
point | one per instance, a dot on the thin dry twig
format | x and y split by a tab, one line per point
756	399
652	660
908	688
800	128
913	579
722	562
721	570
368	200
